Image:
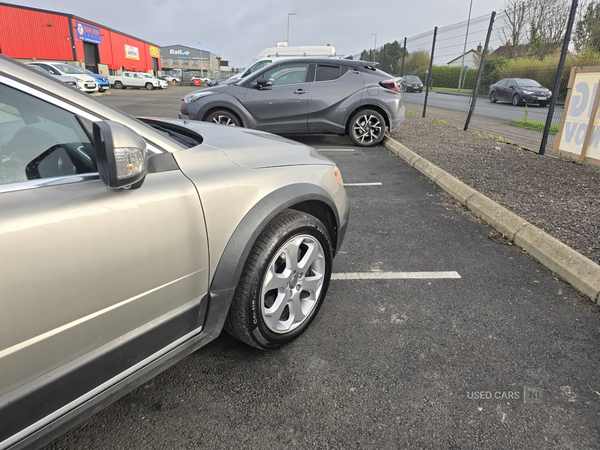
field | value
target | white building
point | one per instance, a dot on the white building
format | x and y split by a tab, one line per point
471	59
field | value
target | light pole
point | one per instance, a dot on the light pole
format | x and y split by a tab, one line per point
288	33
375	46
462	63
201	65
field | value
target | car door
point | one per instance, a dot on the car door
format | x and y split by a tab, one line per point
92	280
281	107
334	90
509	90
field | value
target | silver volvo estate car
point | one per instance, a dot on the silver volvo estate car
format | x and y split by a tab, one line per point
126	244
306	95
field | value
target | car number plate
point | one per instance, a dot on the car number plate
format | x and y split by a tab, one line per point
542	98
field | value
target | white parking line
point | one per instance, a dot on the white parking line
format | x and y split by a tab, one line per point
394	275
335	149
362	184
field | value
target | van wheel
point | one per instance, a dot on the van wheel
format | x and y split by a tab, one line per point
149	86
118	85
367	128
283	283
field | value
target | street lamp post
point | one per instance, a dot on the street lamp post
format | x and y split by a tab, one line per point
462	62
375	46
201	65
288	31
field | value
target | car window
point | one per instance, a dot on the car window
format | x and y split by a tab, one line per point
287	74
49	68
127	75
502	82
525	82
259	65
327	73
40	140
511	84
74	70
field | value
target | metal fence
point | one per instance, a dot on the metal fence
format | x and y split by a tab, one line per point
527	40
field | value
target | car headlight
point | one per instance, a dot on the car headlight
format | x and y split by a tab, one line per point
71	83
549	93
193	97
528	92
338	175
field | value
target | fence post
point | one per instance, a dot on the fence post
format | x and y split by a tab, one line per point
383	58
480	72
561	66
428	77
403	55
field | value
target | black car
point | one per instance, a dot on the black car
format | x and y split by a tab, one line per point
412	83
520	91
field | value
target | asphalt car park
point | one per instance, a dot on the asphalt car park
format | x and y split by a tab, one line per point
432	335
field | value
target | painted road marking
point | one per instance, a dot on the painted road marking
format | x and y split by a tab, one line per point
362	184
394	275
335	149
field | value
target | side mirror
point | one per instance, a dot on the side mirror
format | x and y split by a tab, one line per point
121	155
263	82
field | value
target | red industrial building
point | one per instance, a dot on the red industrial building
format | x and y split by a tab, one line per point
31	33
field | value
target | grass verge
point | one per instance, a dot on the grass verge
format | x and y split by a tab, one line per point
465	91
532	125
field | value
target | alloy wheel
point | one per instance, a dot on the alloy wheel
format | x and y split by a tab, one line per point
292	284
224	120
367	128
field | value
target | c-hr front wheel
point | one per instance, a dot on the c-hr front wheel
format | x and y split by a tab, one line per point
224	118
367	128
283	283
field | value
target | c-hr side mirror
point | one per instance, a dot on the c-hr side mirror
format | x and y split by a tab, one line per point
263	82
121	155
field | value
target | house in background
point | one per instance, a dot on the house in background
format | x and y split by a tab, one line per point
471	58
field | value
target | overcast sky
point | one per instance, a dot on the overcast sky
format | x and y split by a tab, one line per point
238	29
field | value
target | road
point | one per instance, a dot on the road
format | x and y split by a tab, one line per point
506	356
482	107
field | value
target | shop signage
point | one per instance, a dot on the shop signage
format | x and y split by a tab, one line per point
88	33
184	53
155	52
579	132
132	52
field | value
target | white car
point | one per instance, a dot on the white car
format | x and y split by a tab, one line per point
170	78
134	80
85	82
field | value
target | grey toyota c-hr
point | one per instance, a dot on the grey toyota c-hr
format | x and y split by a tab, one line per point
129	243
306	95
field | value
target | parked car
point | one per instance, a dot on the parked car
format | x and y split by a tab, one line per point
169	78
306	95
212	82
412	83
67	80
122	256
134	80
85	82
520	91
101	80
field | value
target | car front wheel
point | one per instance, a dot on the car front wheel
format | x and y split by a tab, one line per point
224	118
283	283
367	128
118	85
493	98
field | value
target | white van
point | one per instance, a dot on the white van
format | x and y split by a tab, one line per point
270	54
314	51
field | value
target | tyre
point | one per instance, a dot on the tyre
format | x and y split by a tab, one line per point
493	98
283	283
118	85
367	128
100	89
149	86
224	118
516	100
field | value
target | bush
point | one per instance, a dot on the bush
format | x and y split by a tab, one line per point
447	76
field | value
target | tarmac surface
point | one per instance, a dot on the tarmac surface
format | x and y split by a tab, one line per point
506	356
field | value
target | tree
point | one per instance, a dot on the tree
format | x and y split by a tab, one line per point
416	60
512	30
587	31
393	57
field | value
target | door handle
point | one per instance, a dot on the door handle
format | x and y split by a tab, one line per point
300	91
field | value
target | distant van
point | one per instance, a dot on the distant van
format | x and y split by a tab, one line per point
315	51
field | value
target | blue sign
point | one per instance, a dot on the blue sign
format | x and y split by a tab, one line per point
88	33
466	68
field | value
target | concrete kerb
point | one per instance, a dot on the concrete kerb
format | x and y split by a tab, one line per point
582	273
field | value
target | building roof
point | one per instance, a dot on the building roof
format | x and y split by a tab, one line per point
459	57
509	51
72	16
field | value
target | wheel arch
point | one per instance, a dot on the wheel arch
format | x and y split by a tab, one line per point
229	109
300	197
379	109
